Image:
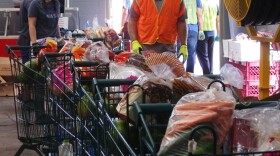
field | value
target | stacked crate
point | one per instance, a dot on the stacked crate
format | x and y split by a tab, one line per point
251	73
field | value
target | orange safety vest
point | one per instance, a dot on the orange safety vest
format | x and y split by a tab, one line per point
158	26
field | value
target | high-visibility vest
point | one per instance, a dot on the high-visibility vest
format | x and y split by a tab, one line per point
157	26
209	15
191	7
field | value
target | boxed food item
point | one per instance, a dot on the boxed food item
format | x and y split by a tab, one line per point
226	50
245	50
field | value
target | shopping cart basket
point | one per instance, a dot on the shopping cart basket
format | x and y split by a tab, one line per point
85	71
148	139
61	97
110	92
35	128
97	133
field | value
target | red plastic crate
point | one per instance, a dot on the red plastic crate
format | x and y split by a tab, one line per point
251	70
251	88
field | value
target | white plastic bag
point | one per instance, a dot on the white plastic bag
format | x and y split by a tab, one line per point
232	75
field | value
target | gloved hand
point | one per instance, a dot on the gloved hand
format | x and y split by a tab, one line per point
136	47
184	52
201	35
217	38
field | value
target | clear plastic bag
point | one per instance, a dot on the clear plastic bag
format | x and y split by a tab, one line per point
211	108
256	129
232	75
155	90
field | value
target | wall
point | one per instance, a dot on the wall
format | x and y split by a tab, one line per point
87	10
6	4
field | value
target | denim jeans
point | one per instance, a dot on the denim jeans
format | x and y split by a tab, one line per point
205	54
25	54
192	42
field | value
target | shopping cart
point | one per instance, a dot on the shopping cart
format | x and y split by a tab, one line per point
97	132
35	128
110	92
149	135
62	99
85	71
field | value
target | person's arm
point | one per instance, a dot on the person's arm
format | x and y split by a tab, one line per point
32	29
218	25
132	28
132	21
199	15
58	33
218	22
182	25
182	32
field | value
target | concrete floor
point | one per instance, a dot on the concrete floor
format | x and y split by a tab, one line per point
9	143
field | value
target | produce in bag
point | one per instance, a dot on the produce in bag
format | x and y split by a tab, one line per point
191	83
165	65
62	80
155	90
210	108
97	52
256	129
133	59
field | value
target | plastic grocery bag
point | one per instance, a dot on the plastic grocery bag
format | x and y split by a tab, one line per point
211	108
232	75
256	129
62	79
155	90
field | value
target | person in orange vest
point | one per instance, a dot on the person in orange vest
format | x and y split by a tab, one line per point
156	24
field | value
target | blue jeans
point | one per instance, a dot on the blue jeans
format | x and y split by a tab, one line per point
205	54
192	42
25	54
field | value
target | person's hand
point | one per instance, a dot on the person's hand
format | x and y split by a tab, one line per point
136	47
217	38
36	47
60	43
201	35
183	52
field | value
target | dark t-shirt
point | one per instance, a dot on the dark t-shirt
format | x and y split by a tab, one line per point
47	17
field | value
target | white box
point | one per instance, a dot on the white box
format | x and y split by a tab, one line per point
245	50
226	47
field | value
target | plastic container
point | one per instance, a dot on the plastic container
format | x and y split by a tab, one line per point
65	149
251	73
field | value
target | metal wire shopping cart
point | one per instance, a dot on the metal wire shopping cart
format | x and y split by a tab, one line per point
35	128
149	135
97	132
110	92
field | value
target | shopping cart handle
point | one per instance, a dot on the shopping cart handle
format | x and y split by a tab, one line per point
9	48
55	55
111	82
85	63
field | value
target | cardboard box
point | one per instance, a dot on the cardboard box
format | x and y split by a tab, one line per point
5	67
226	48
246	50
6	89
2	81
